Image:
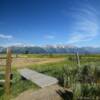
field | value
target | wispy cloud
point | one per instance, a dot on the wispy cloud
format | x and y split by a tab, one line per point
86	25
2	36
49	36
19	44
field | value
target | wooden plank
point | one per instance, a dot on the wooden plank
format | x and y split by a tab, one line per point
3	57
2	65
2	81
40	79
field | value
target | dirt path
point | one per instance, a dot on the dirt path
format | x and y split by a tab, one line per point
24	62
54	92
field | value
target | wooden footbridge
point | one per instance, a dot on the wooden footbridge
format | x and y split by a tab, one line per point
38	78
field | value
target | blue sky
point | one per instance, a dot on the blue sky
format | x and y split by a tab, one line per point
42	22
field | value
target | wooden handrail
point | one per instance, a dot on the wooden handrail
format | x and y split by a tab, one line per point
2	65
3	57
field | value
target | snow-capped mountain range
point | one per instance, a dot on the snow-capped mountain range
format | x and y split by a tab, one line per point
52	49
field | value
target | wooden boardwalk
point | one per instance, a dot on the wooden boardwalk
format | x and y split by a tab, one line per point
38	78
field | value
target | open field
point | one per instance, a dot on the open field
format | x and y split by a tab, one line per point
50	65
24	62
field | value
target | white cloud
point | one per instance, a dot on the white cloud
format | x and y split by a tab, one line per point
49	36
2	36
18	44
86	25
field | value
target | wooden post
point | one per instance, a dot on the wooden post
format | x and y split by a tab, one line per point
78	59
8	73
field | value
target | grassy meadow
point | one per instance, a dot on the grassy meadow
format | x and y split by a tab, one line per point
83	80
